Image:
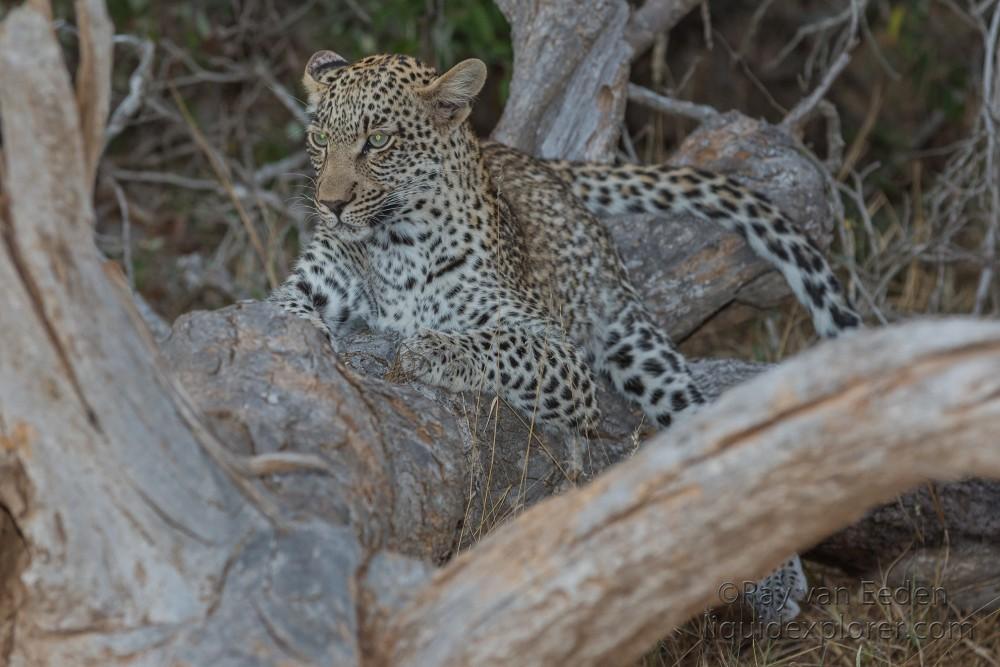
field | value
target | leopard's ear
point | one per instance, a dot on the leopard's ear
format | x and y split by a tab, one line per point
319	72
451	94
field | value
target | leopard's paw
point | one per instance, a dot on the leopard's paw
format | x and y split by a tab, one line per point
430	357
776	597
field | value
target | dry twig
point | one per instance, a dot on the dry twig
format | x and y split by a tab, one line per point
653	18
699	112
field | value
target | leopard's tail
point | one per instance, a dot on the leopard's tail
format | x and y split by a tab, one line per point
620	189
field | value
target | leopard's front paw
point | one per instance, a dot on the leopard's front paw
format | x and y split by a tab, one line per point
432	358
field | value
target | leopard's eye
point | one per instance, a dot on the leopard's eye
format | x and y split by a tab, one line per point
321	138
378	139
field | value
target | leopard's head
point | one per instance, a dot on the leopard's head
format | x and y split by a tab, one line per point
383	131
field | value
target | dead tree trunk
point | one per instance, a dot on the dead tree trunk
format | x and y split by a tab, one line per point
563	55
138	533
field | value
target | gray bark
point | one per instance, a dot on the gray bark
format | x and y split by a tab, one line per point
93	84
563	55
942	534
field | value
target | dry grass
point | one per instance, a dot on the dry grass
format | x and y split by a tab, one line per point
842	625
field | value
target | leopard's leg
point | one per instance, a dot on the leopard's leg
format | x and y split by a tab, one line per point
540	374
619	189
645	367
327	286
776	597
639	358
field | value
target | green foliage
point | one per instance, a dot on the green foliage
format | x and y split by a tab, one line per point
440	32
942	82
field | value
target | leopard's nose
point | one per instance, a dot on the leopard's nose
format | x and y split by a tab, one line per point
336	206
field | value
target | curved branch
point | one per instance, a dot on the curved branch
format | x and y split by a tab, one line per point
771	468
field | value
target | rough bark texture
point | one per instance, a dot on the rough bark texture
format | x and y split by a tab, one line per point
563	55
268	385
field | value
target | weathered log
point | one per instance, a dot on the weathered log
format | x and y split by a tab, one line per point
266	382
771	467
137	538
264	394
99	557
945	535
267	385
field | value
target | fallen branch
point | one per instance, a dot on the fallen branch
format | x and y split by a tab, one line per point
771	467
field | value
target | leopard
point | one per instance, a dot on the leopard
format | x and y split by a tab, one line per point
494	267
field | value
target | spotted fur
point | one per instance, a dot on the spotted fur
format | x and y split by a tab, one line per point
611	190
492	264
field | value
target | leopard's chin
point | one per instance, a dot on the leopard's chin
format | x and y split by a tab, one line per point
351	232
350	229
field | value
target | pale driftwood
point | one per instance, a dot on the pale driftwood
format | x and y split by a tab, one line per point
133	543
770	468
243	367
97	543
563	55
